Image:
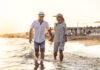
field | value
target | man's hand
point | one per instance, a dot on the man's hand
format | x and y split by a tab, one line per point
30	36
30	41
51	35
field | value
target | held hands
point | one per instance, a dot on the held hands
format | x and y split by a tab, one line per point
51	39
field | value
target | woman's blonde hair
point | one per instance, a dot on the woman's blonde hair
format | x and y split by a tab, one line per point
60	16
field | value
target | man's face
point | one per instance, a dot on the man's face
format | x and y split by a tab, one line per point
41	18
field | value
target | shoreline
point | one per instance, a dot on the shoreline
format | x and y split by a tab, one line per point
88	42
85	40
19	50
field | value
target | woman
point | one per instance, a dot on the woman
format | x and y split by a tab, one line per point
60	36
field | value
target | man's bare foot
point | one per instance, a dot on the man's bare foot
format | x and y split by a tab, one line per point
36	65
42	65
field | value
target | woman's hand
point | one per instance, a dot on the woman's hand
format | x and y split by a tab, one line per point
65	38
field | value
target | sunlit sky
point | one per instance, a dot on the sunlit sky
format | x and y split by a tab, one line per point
17	15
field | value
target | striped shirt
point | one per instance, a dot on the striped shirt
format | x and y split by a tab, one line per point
60	32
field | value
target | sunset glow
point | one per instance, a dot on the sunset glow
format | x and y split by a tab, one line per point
17	15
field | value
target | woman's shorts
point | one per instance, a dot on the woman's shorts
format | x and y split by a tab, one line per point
59	46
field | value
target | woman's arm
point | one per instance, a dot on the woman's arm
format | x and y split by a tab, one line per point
65	27
66	32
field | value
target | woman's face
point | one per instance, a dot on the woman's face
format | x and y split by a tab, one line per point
59	19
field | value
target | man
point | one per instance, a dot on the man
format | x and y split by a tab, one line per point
39	27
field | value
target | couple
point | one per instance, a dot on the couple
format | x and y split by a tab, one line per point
60	36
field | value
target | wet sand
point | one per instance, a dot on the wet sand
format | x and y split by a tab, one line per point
89	42
15	54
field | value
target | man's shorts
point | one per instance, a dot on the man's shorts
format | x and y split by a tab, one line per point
39	46
59	46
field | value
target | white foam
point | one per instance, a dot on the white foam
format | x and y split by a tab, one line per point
81	49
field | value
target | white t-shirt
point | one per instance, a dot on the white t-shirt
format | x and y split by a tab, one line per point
39	30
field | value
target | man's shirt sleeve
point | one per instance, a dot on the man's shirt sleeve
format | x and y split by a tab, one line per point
32	25
47	26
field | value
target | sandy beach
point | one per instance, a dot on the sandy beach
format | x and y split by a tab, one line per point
15	54
89	42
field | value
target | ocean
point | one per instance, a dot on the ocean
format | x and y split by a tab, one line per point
16	54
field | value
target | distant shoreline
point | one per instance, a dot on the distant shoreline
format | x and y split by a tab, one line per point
86	40
15	35
70	38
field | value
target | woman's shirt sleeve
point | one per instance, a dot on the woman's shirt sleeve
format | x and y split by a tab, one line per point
65	27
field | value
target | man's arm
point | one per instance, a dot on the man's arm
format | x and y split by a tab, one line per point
30	35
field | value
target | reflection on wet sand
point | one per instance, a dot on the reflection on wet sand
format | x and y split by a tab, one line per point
40	67
15	54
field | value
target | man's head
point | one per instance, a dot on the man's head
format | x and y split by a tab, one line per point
41	16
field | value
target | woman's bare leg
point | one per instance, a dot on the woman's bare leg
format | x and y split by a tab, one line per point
61	55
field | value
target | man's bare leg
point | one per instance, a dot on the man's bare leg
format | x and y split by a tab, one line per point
36	61
42	57
37	55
